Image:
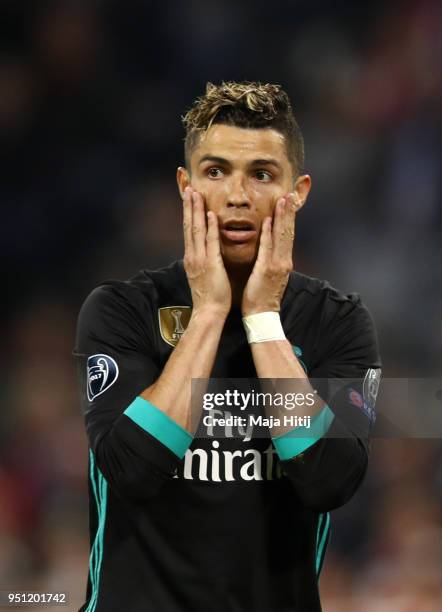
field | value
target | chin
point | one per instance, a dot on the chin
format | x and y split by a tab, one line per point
238	256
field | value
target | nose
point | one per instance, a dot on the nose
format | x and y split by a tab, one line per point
238	196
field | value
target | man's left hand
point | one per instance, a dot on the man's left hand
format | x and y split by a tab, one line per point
266	285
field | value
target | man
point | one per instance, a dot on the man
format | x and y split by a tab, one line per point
223	521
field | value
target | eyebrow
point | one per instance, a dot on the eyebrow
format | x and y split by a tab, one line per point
225	162
214	159
266	162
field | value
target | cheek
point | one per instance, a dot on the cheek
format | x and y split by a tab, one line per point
214	195
265	201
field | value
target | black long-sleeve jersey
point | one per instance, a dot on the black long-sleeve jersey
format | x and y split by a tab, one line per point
230	527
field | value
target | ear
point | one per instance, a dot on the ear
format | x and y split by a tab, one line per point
183	179
302	187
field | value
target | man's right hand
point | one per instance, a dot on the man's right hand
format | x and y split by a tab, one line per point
203	263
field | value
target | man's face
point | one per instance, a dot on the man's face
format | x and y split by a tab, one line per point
240	173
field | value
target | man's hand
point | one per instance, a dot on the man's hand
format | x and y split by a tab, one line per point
267	283
203	263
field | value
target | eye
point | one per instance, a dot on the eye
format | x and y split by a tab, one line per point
214	172
263	176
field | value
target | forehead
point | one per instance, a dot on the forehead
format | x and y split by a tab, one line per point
234	143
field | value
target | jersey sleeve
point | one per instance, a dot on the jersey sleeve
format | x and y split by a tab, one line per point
115	355
330	468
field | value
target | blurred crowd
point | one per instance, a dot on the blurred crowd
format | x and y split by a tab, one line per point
91	95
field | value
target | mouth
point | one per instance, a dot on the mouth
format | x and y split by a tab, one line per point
238	230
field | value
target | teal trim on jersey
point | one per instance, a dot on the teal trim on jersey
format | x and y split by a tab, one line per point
96	558
318	532
320	545
299	439
320	521
93	555
298	352
159	425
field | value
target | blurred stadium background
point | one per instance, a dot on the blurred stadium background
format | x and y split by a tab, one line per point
91	95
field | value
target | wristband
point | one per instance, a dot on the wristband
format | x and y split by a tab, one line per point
263	327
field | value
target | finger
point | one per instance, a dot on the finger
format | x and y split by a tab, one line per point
284	236
213	245
265	242
278	219
295	206
297	201
198	225
187	221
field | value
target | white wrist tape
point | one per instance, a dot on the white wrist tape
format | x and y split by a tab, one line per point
263	327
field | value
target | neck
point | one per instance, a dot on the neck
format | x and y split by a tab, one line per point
238	277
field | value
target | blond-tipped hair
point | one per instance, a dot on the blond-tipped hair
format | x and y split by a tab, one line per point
250	105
